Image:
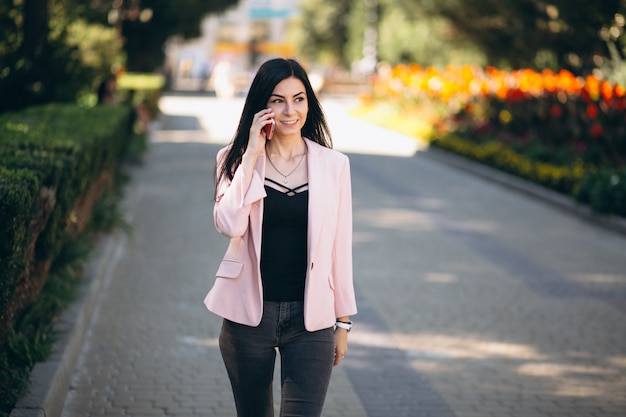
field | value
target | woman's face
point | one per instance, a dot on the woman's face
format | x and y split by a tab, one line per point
290	104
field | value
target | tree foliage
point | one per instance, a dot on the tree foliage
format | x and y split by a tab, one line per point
35	61
322	30
50	50
333	32
579	35
147	24
419	38
572	34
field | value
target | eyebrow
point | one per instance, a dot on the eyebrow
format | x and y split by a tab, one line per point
279	96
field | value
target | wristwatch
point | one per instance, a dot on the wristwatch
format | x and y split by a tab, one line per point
346	325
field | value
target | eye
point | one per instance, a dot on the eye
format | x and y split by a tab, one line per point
299	99
276	100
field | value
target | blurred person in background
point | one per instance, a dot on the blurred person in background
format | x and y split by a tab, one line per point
107	90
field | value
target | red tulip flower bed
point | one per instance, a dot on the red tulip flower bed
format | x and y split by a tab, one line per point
561	131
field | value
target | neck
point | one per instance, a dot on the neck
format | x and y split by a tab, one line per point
285	149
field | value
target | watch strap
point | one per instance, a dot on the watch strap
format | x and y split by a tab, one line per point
344	325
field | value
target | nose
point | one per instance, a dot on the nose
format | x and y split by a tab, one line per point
288	108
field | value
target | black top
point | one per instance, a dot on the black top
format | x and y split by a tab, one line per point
284	245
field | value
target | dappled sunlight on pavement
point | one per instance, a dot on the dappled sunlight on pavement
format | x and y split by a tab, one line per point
566	374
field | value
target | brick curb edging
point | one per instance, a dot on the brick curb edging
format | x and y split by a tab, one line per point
561	201
50	380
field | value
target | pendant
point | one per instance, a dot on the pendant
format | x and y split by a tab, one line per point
285	181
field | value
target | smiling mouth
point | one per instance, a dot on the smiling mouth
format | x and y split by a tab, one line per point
290	123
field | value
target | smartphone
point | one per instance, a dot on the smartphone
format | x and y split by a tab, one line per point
269	130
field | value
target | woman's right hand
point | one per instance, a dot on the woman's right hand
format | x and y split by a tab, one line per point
256	141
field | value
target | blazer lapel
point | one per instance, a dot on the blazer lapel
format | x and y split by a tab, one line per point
256	221
317	185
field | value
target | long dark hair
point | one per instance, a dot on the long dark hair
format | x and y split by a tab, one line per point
269	74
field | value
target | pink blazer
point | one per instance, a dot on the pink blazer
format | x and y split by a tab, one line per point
237	292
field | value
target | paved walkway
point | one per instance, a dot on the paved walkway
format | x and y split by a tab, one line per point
475	301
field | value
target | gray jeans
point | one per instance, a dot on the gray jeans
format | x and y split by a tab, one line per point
249	354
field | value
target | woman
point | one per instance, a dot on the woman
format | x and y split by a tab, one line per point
284	200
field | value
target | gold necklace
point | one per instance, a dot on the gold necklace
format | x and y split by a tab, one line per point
285	179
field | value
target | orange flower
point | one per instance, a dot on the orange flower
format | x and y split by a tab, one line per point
592	86
568	82
398	71
606	90
550	81
467	74
415	68
528	81
501	89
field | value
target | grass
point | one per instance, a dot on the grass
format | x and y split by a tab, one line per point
415	123
140	81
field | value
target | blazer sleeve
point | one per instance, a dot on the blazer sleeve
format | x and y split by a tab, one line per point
234	200
345	303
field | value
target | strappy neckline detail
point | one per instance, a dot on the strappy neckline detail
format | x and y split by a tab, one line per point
288	190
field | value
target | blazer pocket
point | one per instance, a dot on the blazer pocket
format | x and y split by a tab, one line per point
229	269
331	282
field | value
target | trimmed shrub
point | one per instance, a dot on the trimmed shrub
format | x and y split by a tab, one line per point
55	160
605	191
561	178
19	191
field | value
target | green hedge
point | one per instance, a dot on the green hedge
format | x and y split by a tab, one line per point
604	190
19	191
54	160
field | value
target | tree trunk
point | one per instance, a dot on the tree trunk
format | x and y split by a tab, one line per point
35	28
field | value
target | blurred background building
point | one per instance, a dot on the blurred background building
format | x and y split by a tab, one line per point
232	46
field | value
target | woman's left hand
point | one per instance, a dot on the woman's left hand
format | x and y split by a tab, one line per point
341	344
